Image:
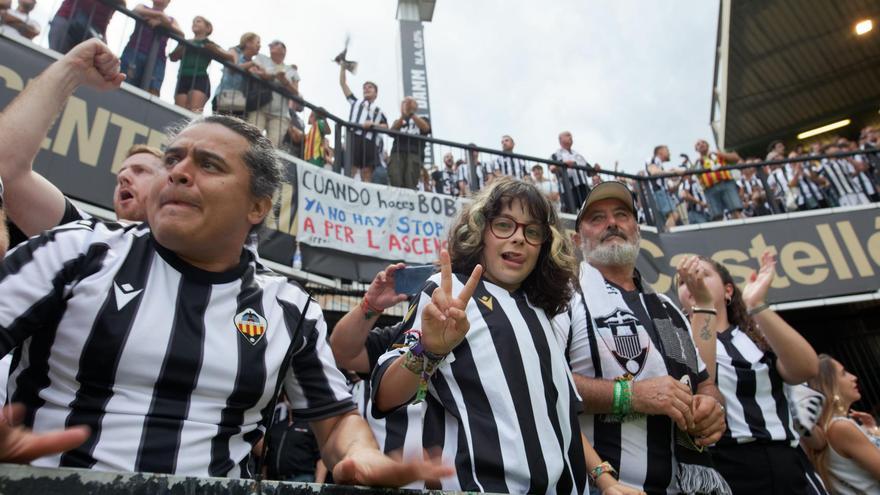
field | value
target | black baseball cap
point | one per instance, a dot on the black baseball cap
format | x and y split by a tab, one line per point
607	190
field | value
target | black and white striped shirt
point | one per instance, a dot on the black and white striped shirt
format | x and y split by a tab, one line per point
462	174
693	187
511	167
502	407
805	190
362	111
579	177
641	449
173	368
658	184
839	174
750	184
445	181
754	394
863	181
404	144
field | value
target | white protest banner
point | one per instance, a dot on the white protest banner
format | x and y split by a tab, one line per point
340	213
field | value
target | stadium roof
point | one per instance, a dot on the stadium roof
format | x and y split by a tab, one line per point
785	66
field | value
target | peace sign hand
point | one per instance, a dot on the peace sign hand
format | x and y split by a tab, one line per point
444	320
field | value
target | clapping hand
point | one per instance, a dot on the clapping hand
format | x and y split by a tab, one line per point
693	274
755	292
444	320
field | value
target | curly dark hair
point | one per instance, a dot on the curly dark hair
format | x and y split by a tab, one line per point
549	285
737	313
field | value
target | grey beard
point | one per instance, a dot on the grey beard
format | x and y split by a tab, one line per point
611	255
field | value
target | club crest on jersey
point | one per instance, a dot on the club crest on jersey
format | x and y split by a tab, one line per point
250	325
621	332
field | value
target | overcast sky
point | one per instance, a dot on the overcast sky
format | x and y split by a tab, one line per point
621	75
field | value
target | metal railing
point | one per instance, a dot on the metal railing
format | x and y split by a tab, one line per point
265	101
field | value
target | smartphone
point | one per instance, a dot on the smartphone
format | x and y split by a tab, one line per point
411	279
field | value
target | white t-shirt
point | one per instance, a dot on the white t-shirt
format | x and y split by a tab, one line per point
278	105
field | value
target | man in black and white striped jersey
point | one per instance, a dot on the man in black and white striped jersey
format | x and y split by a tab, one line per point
578	178
646	391
509	166
169	339
840	173
864	176
365	113
408	154
751	190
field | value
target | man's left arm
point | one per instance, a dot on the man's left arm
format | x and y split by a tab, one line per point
350	452
729	157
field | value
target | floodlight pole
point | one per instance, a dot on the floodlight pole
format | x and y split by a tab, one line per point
411	14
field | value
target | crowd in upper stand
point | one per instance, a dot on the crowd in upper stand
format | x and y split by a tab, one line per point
689	199
160	344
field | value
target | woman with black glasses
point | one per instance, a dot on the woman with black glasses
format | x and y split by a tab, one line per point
499	399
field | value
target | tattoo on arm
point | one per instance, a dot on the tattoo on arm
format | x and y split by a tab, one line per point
705	334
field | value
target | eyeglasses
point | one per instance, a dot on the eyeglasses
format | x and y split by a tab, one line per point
504	228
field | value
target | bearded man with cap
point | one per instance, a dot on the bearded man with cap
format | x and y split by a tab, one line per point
650	405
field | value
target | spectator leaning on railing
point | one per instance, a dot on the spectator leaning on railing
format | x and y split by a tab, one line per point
135	58
863	177
231	99
579	178
840	173
407	154
78	20
718	185
18	21
270	110
752	193
691	193
509	166
193	85
869	141
666	202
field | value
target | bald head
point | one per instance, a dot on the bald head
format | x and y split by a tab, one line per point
565	139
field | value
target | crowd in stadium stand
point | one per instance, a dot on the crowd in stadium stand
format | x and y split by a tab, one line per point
688	199
504	357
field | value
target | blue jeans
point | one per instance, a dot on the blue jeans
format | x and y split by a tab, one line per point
133	63
723	196
664	203
695	217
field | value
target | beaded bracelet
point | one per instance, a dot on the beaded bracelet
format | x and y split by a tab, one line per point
423	363
604	467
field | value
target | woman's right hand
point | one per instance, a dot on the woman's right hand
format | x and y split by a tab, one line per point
444	319
754	293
